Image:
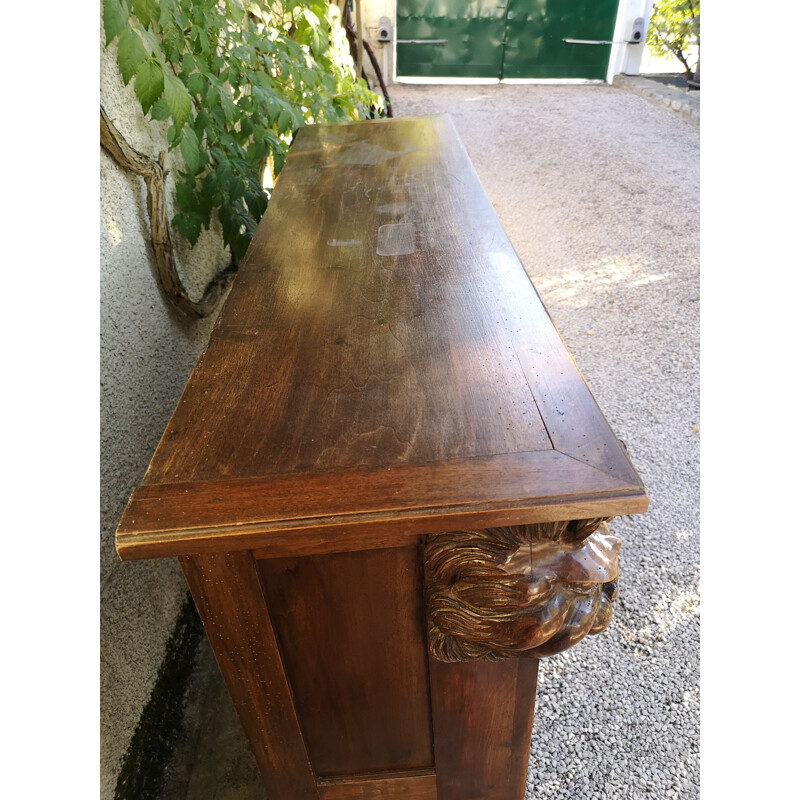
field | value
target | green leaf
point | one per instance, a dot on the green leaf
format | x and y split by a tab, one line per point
253	8
149	83
178	100
256	203
235	189
185	195
130	54
172	37
189	225
115	19
285	121
159	110
228	106
173	136
234	10
224	173
241	244
188	63
212	95
201	123
205	203
291	69
230	222
278	160
218	118
246	127
309	76
196	83
250	224
150	38
208	186
190	150
145	10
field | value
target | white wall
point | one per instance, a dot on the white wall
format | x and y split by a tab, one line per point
147	354
372	11
627	58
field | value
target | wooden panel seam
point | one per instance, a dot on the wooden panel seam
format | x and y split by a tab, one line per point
418	787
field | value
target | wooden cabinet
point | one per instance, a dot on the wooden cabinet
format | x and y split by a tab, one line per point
386	481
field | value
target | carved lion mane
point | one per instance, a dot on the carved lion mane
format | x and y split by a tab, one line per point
530	590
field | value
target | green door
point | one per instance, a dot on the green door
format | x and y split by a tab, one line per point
450	38
504	38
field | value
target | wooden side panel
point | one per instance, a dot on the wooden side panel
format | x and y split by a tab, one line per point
227	592
482	721
350	627
417	787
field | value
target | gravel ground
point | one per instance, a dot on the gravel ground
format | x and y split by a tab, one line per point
599	192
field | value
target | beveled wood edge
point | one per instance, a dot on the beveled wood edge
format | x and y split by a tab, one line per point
173	519
366	532
411	785
372	777
403	532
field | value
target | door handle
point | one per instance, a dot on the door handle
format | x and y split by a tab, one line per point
596	41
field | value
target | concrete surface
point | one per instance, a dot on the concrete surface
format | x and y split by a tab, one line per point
147	353
598	190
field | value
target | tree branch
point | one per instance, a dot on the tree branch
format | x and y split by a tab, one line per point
360	40
352	36
154	175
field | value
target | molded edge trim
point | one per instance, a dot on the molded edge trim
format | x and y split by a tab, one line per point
301	512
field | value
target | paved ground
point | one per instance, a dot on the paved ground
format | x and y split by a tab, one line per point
665	92
598	190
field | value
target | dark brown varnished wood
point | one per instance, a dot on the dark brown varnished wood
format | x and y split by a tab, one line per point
524	590
382	331
383	370
360	509
374	787
350	627
482	721
227	592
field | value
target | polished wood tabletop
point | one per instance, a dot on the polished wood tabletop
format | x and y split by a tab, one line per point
382	368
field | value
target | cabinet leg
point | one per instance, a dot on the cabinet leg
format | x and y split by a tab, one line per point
227	592
482	721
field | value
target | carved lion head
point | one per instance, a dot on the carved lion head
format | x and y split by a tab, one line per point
531	590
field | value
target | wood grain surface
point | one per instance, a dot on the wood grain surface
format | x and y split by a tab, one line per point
227	592
350	628
375	787
381	341
482	721
361	509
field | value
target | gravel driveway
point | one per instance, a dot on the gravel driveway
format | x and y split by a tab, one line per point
598	191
